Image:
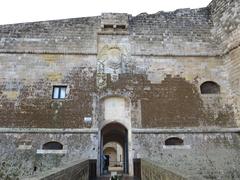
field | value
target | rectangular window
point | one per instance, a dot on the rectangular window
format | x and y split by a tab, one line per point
59	92
121	26
108	26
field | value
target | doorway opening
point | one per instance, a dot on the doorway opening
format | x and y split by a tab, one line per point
114	149
114	153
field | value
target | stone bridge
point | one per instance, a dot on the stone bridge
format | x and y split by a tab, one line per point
86	170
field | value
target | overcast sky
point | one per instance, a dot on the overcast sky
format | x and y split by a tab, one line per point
17	11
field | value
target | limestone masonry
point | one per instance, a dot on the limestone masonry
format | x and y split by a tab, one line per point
162	87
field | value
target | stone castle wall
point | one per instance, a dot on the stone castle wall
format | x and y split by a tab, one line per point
232	64
170	84
22	153
203	155
225	16
26	90
182	32
156	62
30	71
63	36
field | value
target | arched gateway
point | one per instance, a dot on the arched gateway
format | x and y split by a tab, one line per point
114	133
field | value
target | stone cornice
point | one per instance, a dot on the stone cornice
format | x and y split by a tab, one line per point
134	130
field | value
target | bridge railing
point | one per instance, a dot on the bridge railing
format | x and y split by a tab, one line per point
145	169
83	169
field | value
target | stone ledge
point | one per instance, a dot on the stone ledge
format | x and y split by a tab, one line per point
2	51
190	130
24	147
176	147
134	130
177	55
47	130
44	151
112	33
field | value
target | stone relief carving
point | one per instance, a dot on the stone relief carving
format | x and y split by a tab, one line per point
111	61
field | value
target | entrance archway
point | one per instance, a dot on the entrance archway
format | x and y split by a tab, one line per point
114	133
114	151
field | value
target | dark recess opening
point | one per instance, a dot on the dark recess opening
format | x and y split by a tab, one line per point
106	26
121	26
173	141
35	168
210	87
53	145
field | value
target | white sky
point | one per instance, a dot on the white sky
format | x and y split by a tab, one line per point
17	11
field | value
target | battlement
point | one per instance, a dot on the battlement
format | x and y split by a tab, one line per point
186	32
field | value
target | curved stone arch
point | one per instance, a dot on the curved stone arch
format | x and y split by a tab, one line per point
112	154
110	148
52	145
124	123
118	133
203	80
173	141
112	122
210	87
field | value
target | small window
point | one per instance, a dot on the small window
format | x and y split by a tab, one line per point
108	26
174	141
59	92
121	26
210	87
53	146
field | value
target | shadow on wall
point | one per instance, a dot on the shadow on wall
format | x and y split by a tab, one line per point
174	102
